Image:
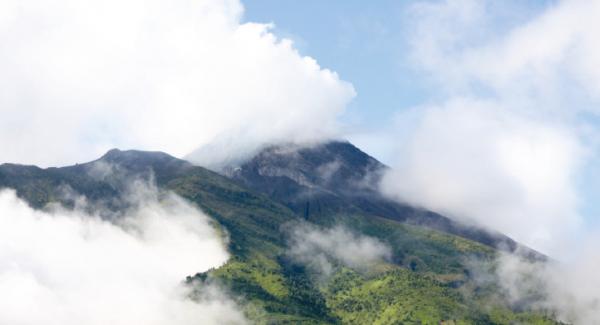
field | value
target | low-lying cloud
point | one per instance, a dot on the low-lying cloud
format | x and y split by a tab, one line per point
323	249
567	289
70	267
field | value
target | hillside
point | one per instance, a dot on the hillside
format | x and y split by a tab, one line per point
428	277
337	178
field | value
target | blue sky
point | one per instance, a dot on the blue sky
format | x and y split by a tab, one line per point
362	41
366	43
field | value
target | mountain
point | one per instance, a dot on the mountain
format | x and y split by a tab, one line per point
337	178
428	278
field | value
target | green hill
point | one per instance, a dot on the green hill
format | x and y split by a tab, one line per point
427	278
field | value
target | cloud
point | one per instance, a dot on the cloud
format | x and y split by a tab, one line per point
476	162
569	290
323	249
465	44
507	139
69	267
80	77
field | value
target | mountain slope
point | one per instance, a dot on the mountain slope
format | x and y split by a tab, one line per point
103	181
336	178
427	279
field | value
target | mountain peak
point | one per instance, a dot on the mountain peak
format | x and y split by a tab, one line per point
136	161
331	166
337	178
111	152
117	155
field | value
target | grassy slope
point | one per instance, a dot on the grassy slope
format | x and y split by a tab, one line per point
427	282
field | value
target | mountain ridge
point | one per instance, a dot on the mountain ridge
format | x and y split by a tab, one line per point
309	187
428	278
349	183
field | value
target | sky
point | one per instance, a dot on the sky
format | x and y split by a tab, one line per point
487	111
366	43
416	64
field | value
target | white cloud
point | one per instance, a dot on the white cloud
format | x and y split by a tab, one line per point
508	143
79	77
474	161
321	249
463	44
505	145
68	267
568	289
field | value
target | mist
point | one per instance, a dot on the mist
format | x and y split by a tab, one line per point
568	289
508	144
67	266
322	250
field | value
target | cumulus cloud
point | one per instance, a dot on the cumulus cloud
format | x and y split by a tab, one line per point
69	267
79	77
505	143
323	249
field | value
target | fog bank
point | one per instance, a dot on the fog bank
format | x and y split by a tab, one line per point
69	267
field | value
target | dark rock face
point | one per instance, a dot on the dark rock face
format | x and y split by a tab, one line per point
312	180
336	178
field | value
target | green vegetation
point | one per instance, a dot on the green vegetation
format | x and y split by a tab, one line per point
427	281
